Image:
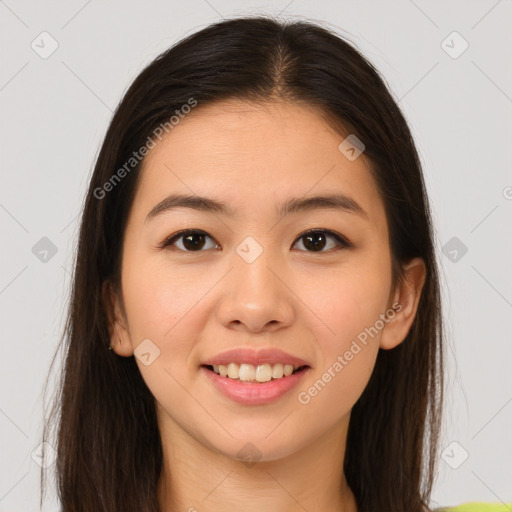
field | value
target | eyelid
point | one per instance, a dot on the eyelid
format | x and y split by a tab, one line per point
340	238
343	241
178	234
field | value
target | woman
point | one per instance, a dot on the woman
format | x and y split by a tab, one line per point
256	249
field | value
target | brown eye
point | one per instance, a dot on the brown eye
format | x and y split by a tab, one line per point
317	240
192	240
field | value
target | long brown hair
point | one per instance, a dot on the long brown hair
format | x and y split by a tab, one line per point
109	455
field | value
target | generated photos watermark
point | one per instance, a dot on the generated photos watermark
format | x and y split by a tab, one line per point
305	397
138	156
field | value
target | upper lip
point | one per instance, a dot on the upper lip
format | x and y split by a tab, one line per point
255	357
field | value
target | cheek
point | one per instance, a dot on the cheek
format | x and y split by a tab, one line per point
159	301
347	301
160	307
335	389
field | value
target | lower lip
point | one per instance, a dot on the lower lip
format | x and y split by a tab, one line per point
254	393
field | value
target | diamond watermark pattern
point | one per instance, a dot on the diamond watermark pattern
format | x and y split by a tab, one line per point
351	147
250	454
454	455
44	45
44	250
50	455
454	249
249	249
454	45
146	352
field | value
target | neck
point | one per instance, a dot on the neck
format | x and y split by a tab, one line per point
198	478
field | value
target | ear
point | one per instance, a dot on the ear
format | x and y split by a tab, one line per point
405	304
118	331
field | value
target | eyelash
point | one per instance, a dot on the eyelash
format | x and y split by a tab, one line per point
345	244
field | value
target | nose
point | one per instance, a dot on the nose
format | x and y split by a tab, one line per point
257	296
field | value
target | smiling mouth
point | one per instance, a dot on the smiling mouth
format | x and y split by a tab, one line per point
255	374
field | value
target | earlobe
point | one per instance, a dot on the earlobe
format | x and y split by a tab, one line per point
405	306
118	332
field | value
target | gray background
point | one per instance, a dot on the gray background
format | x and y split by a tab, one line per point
54	113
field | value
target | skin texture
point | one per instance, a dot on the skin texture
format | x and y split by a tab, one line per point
313	304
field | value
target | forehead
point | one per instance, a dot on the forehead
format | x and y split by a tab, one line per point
250	156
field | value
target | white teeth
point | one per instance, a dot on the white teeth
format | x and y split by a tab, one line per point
264	373
249	373
246	372
277	371
233	370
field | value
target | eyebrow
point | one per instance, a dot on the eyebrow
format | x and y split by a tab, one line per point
339	201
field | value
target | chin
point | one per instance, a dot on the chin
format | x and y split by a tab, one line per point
257	449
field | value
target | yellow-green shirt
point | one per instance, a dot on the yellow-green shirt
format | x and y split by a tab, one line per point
478	507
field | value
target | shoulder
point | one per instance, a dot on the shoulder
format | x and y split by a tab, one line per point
477	507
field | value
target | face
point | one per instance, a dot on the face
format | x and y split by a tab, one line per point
249	276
